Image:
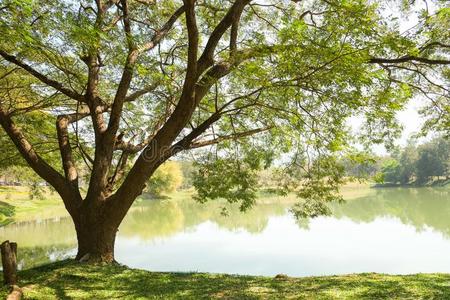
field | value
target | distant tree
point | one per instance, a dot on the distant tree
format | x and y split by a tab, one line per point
361	165
390	172
19	174
188	170
420	163
168	178
407	163
443	152
433	160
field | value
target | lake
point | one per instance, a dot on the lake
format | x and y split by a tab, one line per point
392	230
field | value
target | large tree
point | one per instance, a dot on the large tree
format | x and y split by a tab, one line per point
118	87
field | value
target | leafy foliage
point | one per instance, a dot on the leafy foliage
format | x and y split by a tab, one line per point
258	85
225	178
168	178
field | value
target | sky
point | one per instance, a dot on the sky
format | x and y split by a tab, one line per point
409	119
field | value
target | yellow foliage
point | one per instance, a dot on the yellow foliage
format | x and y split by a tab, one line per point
167	178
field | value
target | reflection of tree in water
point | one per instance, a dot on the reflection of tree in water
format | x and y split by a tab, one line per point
418	207
40	241
153	219
38	255
44	240
164	218
40	232
252	221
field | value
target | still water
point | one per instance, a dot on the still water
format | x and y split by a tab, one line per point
395	231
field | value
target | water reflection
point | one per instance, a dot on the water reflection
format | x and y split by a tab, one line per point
183	235
419	207
153	219
41	241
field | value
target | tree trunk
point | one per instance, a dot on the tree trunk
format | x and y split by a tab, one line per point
96	237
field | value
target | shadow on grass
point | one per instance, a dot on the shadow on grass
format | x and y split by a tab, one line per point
72	280
68	279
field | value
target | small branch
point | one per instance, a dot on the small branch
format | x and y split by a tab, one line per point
432	45
220	139
127	75
50	82
206	59
119	172
409	58
135	95
161	33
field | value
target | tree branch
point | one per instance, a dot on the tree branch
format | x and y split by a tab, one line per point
70	195
145	165
207	58
199	144
65	148
43	78
432	45
161	33
409	58
119	172
135	95
127	74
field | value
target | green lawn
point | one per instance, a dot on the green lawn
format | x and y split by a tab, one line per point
16	205
72	280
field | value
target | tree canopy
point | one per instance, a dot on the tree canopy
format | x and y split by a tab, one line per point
113	88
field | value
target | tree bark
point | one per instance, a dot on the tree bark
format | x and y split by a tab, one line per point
96	234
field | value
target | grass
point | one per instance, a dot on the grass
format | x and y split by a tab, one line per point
72	280
16	205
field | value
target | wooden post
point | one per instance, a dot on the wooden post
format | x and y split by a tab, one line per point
9	262
15	294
